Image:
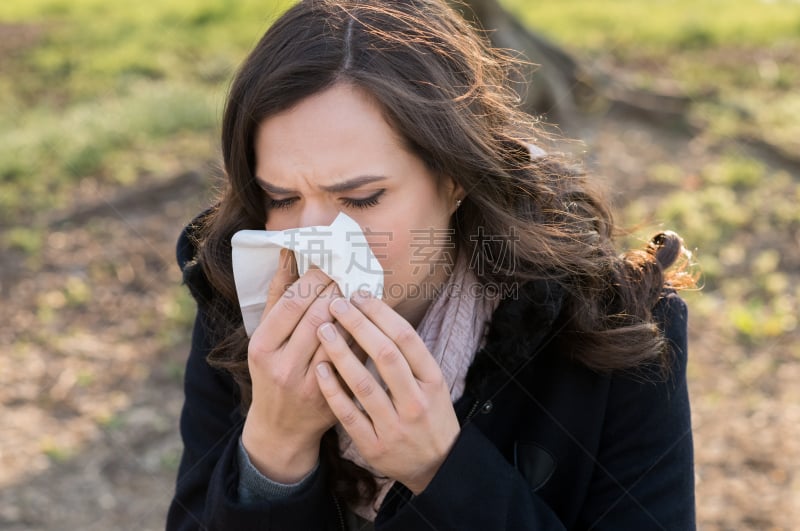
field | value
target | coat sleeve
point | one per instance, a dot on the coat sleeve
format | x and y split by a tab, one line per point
643	469
206	492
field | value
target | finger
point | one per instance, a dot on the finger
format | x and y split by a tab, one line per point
303	341
283	278
389	359
354	421
289	309
361	382
321	354
304	337
402	334
347	336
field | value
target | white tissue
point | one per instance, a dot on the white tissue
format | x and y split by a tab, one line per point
340	250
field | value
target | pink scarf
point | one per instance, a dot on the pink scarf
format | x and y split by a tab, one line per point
453	330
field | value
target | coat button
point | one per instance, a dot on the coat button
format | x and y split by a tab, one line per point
487	407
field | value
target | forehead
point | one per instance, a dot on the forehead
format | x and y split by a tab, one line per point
337	128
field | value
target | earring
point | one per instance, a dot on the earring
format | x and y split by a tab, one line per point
458	203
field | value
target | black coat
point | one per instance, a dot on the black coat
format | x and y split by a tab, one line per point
545	443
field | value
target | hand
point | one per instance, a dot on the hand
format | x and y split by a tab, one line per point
288	414
406	433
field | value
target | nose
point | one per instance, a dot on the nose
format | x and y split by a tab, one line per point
321	213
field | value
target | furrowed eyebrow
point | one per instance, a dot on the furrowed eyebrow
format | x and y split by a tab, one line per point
343	186
353	183
272	189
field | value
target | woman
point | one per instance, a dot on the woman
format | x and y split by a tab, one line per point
532	378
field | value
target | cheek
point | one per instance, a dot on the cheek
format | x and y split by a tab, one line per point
392	249
404	245
394	256
278	220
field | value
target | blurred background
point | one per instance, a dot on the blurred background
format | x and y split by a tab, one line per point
687	111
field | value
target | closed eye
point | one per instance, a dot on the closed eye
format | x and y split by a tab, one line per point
280	203
364	203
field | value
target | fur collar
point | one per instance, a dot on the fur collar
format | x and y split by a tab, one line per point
520	328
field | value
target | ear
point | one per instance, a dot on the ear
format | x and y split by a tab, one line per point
451	192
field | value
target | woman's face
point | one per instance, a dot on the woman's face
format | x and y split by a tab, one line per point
335	151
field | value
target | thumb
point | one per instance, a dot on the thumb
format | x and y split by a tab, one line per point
284	277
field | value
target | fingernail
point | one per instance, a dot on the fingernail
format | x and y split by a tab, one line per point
361	296
339	306
328	332
322	370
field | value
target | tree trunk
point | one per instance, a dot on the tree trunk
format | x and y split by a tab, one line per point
560	88
554	88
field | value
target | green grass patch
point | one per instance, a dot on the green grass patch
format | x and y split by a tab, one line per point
92	48
740	220
48	153
104	92
632	26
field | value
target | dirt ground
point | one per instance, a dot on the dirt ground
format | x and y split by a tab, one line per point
94	344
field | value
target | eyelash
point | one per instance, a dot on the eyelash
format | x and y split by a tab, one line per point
279	203
367	202
350	203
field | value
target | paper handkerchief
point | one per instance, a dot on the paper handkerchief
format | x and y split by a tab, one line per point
340	250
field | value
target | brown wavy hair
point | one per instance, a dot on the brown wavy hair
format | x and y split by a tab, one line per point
446	92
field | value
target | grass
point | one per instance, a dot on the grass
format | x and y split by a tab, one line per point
47	152
740	218
103	86
657	26
95	48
